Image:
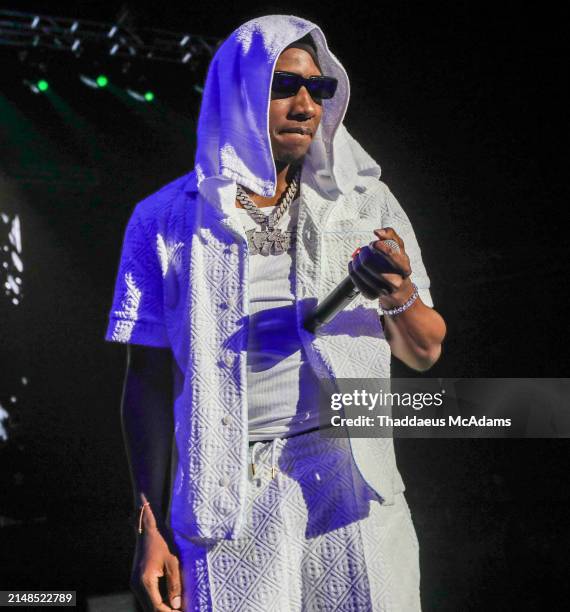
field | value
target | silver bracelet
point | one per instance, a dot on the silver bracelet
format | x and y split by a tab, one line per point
398	309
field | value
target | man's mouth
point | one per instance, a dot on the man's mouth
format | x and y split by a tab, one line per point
302	131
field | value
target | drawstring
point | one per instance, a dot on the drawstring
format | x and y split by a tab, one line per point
255	447
273	466
273	449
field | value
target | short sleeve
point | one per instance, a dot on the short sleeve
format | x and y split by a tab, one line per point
399	220
137	313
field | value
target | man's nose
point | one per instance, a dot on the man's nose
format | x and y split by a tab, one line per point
303	102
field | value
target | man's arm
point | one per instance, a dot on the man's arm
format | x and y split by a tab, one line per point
415	335
148	425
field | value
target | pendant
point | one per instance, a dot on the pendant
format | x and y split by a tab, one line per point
269	242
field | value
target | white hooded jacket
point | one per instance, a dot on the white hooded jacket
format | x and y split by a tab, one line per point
183	275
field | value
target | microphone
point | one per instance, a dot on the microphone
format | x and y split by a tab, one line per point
344	293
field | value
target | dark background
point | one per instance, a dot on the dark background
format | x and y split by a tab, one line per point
461	103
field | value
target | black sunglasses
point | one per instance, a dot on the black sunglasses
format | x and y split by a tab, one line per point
287	84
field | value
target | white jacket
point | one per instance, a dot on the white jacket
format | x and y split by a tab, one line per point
183	283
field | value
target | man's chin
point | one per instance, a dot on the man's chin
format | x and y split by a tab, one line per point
287	159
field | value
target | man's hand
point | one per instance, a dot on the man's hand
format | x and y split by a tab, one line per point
415	336
152	560
385	276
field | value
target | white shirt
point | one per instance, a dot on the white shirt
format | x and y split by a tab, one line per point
281	386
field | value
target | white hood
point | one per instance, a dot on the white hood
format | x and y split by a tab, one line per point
233	126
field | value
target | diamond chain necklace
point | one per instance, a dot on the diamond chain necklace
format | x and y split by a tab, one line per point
270	240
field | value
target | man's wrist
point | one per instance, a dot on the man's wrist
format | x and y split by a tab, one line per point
144	520
397	298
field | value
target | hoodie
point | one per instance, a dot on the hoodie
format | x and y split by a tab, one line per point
233	125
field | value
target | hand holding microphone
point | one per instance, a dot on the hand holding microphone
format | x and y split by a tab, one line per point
378	270
382	269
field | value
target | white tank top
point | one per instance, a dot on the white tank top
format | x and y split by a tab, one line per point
282	389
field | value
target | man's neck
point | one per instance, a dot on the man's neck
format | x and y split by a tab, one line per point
285	173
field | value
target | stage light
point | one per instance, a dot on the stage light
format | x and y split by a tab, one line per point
102	80
36	86
148	96
136	95
88	81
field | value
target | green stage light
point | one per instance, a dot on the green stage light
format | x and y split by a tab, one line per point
149	96
102	80
42	85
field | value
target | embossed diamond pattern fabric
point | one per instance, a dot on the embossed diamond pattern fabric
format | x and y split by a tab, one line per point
315	539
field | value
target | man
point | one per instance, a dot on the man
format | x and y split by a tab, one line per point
218	272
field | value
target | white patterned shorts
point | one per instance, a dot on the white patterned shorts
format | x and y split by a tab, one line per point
317	539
